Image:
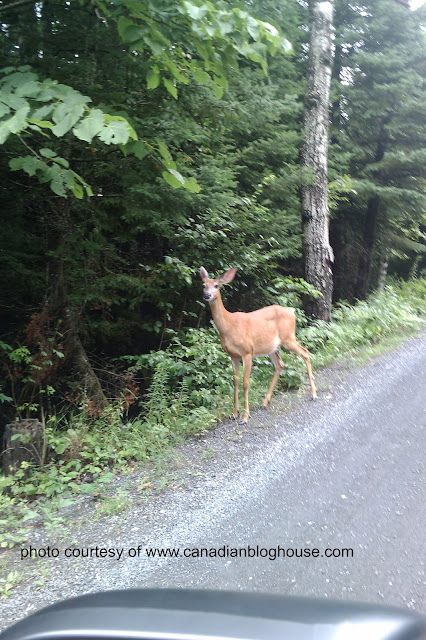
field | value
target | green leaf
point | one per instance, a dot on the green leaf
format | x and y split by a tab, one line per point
78	191
42	112
177	175
29	89
44	124
270	29
61	161
201	76
15	124
13	101
115	132
165	155
218	91
90	126
192	185
172	180
29	164
3	109
253	27
132	33
286	45
122	24
176	73
153	77
66	118
47	153
170	87
196	13
221	81
156	46
65	502
57	185
29	515
137	148
225	27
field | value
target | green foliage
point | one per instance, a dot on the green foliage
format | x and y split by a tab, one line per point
184	41
401	307
12	579
27	373
128	254
289	292
113	505
197	362
197	39
339	191
378	138
30	105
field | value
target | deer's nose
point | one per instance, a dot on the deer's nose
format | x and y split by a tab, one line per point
207	296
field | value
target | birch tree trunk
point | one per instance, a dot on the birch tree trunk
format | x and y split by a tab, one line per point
317	252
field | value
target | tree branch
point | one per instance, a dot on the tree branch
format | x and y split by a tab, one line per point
13	5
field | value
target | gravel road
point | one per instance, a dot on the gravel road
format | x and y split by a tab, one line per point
346	472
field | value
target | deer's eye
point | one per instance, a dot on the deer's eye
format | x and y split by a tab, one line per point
216	286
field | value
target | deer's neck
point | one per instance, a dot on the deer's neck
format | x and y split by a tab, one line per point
221	317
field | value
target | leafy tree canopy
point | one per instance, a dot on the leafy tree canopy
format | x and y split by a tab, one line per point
179	41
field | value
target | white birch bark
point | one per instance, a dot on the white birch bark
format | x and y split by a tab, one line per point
318	254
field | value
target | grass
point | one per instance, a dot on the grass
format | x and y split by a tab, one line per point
113	505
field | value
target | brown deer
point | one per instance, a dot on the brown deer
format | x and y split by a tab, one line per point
247	335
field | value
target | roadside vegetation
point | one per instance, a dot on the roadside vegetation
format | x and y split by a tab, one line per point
190	390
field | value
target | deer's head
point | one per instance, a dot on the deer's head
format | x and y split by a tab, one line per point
211	286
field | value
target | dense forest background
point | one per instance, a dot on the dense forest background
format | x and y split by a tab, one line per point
92	284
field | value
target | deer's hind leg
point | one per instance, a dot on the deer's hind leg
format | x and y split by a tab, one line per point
279	366
236	372
247	362
293	345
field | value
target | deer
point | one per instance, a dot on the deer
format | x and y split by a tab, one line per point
248	335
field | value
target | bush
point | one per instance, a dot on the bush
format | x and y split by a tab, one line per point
195	359
399	308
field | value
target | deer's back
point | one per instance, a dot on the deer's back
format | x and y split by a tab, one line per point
259	332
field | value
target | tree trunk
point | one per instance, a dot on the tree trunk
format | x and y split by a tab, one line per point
370	223
383	271
414	268
30	446
75	352
96	401
317	252
367	254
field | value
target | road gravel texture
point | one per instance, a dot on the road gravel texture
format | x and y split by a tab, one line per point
345	472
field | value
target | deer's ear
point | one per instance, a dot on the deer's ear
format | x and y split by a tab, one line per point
203	274
228	276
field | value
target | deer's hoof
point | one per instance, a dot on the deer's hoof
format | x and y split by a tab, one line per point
265	402
234	417
243	423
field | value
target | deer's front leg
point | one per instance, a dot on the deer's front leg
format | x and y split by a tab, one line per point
236	372
247	360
